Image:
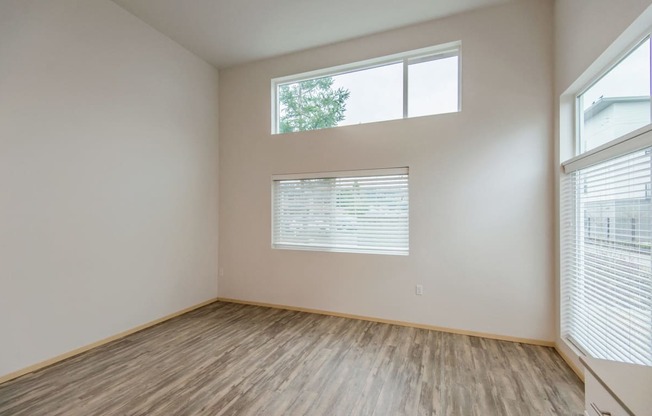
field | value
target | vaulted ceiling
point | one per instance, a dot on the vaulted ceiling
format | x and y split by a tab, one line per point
230	32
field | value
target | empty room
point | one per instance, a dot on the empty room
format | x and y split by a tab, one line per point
340	208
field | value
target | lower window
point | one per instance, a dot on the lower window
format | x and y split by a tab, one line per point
357	212
606	260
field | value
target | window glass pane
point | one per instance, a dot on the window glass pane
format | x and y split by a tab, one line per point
375	94
618	103
433	87
357	97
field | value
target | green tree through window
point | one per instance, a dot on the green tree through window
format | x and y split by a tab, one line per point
310	105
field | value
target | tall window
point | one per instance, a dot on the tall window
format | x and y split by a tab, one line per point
411	84
358	212
606	212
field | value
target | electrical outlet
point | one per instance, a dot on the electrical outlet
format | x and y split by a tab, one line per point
419	290
221	272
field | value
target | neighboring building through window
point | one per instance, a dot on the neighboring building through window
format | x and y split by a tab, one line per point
357	212
412	84
613	117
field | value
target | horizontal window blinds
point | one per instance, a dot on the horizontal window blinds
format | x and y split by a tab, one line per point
606	263
342	212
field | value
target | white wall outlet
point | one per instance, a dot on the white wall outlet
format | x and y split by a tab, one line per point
221	272
419	290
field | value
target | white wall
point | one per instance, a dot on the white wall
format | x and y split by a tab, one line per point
481	220
108	176
589	35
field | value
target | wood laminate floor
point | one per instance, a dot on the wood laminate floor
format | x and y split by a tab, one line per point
230	359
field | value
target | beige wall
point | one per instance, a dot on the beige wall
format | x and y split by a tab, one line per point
108	176
589	36
481	221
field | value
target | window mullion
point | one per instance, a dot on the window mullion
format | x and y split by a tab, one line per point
405	87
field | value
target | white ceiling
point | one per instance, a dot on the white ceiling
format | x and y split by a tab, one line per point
230	32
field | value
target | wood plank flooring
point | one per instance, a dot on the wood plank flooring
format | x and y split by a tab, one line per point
230	359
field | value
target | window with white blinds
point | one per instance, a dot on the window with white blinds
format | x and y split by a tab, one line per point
359	211
606	293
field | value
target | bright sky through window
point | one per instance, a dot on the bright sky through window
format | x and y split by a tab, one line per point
376	94
433	87
631	77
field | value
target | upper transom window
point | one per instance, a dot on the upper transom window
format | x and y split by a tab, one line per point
616	103
411	84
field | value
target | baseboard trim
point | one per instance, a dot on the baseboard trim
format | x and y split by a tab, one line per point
59	358
393	322
570	363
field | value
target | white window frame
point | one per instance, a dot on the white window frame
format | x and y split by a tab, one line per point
330	175
431	53
636	140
